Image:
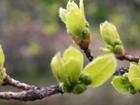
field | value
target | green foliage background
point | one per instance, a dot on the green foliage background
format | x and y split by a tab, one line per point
31	33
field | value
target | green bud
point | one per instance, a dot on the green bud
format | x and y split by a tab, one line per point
67	69
109	33
58	68
79	88
85	78
132	90
67	88
111	38
2	57
74	18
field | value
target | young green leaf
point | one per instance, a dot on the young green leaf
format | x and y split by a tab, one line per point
134	72
3	75
74	27
72	52
67	69
101	69
2	57
58	68
119	85
73	68
136	83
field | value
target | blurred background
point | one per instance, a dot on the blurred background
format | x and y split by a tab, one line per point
31	33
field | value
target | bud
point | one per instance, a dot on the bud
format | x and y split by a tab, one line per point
58	69
75	21
2	57
109	33
67	69
132	90
85	78
111	38
66	88
79	88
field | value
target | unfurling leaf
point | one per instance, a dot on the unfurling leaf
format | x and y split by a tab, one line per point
3	75
136	83
111	38
73	68
123	85
73	63
77	26
134	72
72	52
101	69
2	57
67	69
58	68
134	75
118	83
109	33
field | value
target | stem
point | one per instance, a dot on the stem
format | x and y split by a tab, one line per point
88	54
33	94
30	93
15	83
130	58
121	71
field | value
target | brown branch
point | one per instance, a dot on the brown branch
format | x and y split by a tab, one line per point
30	93
88	54
33	94
130	58
121	71
15	83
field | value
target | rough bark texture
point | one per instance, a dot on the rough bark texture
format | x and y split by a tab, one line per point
15	83
32	94
130	58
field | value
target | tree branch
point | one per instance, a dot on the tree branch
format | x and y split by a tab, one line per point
88	54
32	94
15	83
121	71
130	58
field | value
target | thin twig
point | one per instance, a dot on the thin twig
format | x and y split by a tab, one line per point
15	83
121	71
88	54
130	58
